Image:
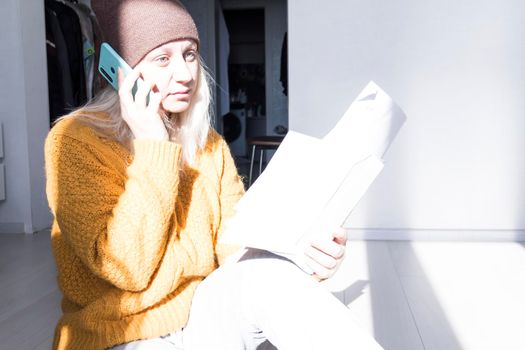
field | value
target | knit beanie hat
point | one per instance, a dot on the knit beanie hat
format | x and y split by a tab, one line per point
135	27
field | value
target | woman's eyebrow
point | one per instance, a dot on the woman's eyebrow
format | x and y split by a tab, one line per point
190	45
156	52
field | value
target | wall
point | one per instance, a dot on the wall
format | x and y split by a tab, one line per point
458	71
23	99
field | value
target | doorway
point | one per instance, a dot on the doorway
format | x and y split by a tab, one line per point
258	101
246	77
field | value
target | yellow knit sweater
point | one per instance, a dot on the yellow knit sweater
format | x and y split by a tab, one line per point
133	235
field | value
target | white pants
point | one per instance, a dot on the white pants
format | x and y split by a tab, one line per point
263	297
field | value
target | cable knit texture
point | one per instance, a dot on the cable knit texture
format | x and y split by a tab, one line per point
133	235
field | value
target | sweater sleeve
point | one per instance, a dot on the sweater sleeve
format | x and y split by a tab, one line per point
117	225
231	190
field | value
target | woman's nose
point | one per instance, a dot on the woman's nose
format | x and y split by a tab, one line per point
181	71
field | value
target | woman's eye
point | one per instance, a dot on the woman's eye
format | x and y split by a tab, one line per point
190	56
162	60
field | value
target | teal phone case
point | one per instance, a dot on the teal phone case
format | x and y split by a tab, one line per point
108	65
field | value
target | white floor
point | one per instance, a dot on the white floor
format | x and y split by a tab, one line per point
437	295
409	295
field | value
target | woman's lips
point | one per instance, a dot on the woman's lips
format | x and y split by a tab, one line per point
185	92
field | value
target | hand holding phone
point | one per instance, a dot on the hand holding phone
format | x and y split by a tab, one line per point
138	103
109	63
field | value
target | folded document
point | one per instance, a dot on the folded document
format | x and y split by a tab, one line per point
311	185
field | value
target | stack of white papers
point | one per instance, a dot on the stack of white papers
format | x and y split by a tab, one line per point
311	185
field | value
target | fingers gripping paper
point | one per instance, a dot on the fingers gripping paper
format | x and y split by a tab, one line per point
311	185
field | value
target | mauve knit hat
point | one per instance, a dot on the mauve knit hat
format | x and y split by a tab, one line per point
135	27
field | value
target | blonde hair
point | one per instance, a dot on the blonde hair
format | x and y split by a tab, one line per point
190	128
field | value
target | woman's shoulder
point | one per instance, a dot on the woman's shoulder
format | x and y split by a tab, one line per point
214	142
74	126
76	133
79	127
75	136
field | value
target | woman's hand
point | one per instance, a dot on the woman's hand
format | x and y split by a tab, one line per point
143	118
324	256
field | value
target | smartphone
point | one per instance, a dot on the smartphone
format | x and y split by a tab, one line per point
108	65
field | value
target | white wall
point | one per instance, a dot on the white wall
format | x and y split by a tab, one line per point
25	115
457	68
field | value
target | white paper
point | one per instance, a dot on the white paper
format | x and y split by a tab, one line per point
311	185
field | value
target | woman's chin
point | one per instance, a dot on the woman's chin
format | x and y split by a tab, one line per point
175	106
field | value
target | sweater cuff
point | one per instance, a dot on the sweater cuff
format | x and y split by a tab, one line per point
155	153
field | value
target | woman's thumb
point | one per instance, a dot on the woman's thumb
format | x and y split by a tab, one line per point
340	236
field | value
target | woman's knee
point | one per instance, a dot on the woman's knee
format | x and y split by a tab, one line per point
272	274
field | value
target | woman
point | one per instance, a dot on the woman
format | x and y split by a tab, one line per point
140	188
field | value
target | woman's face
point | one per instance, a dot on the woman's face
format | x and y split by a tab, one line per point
173	69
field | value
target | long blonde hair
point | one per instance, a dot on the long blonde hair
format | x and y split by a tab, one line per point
190	128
